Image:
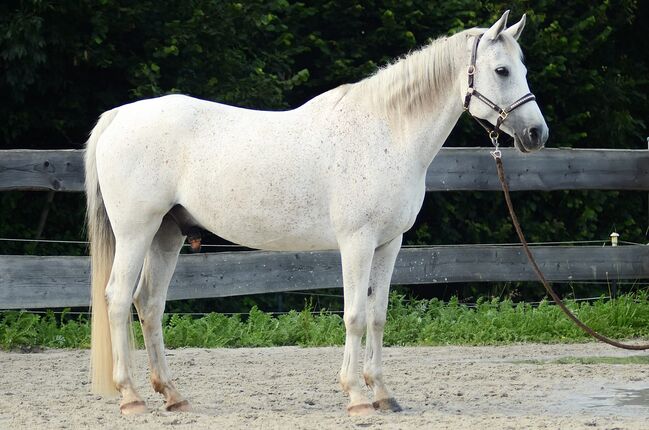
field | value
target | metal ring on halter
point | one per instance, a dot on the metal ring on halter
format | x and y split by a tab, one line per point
494	135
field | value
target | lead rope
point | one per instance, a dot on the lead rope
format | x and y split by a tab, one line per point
501	175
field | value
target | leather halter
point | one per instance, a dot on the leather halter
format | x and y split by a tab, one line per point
502	113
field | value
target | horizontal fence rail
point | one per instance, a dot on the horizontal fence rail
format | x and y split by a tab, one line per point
45	282
454	169
54	170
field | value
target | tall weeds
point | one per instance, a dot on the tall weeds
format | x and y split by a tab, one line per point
410	322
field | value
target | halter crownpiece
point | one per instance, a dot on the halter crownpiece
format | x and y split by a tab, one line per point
494	132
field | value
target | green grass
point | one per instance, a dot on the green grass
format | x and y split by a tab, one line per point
421	322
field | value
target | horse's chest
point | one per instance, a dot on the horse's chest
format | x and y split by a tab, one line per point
387	202
401	207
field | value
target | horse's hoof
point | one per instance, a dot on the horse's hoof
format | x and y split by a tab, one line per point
360	410
182	406
133	408
389	404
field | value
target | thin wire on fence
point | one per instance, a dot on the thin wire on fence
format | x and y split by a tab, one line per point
306	293
554	243
197	314
85	242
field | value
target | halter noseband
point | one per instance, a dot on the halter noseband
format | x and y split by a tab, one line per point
502	113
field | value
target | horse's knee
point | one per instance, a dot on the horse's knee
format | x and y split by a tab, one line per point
355	322
376	323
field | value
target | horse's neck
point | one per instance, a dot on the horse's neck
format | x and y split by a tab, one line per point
423	135
419	96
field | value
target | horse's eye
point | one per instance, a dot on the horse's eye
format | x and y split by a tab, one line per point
502	71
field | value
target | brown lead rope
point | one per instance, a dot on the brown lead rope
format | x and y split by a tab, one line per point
548	288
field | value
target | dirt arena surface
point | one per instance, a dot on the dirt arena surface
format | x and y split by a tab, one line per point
292	387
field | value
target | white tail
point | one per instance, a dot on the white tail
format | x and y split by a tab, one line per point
102	252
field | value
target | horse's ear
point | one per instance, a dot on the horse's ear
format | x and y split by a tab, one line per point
497	28
516	29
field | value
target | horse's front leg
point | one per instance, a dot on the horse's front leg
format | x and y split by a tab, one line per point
377	305
356	256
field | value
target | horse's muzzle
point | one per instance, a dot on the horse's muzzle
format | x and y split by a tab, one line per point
532	138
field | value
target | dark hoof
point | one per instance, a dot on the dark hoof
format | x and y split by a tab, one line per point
182	406
133	408
389	404
360	410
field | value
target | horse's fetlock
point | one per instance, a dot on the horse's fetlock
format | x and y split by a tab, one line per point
369	381
157	384
344	385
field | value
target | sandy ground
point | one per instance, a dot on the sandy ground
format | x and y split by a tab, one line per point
291	387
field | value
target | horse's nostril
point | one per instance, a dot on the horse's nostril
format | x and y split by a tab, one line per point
534	134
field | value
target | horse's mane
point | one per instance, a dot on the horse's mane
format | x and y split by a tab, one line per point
421	78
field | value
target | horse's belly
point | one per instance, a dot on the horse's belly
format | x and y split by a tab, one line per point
288	223
262	231
314	241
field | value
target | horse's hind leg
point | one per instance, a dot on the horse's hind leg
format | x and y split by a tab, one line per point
377	305
150	297
131	242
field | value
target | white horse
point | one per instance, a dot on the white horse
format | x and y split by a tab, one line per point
344	171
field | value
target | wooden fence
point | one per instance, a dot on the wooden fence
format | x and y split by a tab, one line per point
41	282
454	169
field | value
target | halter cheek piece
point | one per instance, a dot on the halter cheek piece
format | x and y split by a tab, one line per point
502	113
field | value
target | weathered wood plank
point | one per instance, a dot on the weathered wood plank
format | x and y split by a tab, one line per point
44	282
57	170
454	169
463	169
41	282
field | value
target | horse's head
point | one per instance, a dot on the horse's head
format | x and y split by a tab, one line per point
497	91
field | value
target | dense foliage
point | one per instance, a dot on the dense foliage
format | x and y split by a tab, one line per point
64	62
421	322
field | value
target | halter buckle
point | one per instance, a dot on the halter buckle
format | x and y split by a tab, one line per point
503	115
471	70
